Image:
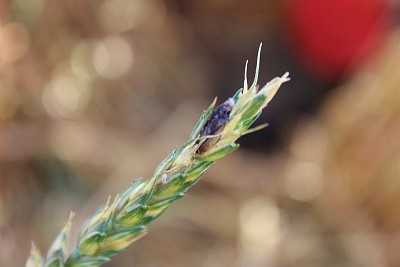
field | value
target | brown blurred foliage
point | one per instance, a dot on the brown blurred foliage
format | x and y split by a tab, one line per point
96	93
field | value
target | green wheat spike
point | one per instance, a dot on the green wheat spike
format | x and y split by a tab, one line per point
121	222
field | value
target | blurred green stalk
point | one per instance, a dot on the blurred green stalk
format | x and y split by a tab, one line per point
121	222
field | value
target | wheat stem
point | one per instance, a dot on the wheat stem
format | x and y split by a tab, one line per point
121	222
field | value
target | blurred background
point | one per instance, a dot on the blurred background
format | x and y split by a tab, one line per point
96	93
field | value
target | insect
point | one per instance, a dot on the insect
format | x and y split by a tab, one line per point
215	124
164	178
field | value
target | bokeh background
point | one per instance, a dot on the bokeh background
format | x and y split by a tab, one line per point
95	93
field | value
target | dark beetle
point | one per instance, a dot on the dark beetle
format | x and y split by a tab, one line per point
215	124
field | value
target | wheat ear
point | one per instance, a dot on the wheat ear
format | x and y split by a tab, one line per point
121	222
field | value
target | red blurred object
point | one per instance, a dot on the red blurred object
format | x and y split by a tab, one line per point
328	36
